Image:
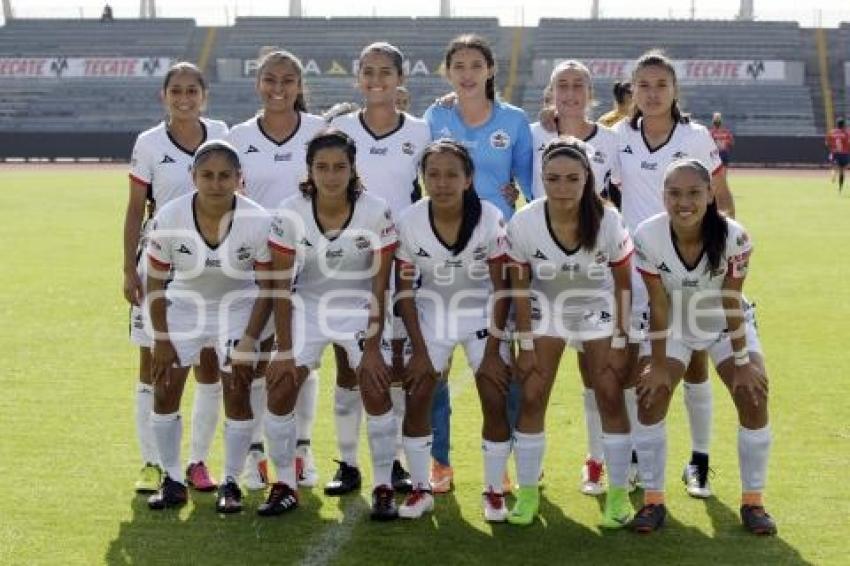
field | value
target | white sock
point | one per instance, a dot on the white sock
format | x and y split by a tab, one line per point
237	441
305	407
528	451
753	453
144	408
651	445
593	422
417	450
280	430
495	460
398	397
382	430
618	456
631	407
168	432
348	409
259	401
699	402
204	419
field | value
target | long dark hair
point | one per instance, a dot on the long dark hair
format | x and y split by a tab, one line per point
281	56
184	67
657	58
332	138
472	41
471	200
714	226
591	208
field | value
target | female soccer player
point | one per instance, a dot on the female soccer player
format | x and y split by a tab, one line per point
341	238
207	245
622	104
390	143
272	147
656	134
693	261
456	244
499	139
571	283
159	172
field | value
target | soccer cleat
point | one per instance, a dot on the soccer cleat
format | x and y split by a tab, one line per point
757	520
495	510
591	477
383	504
150	479
171	494
633	480
281	499
418	503
618	509
346	479
305	467
441	478
695	476
649	518
527	505
255	476
229	499
198	477
401	479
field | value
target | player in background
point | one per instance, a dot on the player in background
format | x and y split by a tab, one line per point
159	172
390	143
272	147
838	143
208	246
656	134
342	239
693	258
622	105
571	284
498	137
722	136
453	233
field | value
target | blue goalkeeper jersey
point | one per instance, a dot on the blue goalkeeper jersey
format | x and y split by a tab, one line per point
501	148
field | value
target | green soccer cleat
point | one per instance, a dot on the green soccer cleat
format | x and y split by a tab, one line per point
527	505
150	479
618	509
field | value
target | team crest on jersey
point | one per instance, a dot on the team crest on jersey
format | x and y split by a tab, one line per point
167	159
479	253
408	148
361	242
283	157
445	133
601	257
252	149
243	253
500	139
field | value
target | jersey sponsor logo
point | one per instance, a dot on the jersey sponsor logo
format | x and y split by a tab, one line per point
679	155
500	139
628	149
378	150
569	267
212	262
598	157
252	149
691	283
422	253
167	159
283	156
408	148
454	263
539	255
445	133
648	165
333	253
183	249
663	267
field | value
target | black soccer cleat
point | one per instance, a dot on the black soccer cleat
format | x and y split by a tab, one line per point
383	504
401	479
281	499
757	520
170	494
229	498
650	518
346	479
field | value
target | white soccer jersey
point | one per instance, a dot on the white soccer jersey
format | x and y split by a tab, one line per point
568	283
388	164
165	166
601	145
273	170
343	266
455	289
693	290
642	170
205	275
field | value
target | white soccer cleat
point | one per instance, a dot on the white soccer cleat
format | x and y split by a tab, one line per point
696	483
633	481
255	477
417	504
495	510
591	477
305	467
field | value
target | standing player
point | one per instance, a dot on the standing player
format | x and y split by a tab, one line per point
453	241
390	142
622	105
160	172
571	283
722	136
656	134
272	148
694	260
498	137
342	239
838	143
208	245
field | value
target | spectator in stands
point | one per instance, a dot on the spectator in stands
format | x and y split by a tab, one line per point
723	138
622	104
838	143
106	15
160	172
499	139
402	99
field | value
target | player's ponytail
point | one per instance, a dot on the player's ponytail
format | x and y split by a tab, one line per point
657	58
472	41
326	139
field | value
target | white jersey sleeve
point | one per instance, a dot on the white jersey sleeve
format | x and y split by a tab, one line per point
159	247
739	247
516	247
141	162
498	240
646	258
385	227
286	229
618	241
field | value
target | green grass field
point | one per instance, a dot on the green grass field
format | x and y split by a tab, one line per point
68	454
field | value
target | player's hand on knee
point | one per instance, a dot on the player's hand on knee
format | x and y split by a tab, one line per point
281	369
494	370
373	369
162	359
419	369
526	364
653	385
133	288
750	381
